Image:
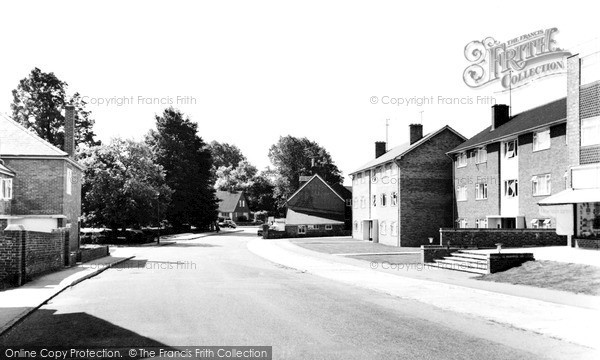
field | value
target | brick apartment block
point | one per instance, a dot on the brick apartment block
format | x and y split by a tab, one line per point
404	196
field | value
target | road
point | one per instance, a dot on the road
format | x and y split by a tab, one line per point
213	291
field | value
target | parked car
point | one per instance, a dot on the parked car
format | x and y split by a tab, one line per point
226	222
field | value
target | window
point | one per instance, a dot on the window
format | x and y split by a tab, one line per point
462	223
461	159
383	199
301	229
461	194
382	229
388	169
69	181
355	202
510	149
359	178
590	131
481	223
394	198
374	202
348	202
364	178
328	227
511	188
355	225
481	155
480	191
541	140
541	185
7	189
363	202
394	228
313	227
242	203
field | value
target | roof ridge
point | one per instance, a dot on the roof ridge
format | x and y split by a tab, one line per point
32	134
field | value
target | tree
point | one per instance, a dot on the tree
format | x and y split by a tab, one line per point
38	103
225	155
235	179
187	162
122	186
260	194
293	157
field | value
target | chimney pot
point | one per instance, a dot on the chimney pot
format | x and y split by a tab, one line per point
416	133
500	115
70	130
380	148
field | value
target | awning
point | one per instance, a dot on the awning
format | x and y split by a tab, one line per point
572	196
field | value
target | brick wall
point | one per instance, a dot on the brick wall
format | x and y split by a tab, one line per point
472	174
487	238
29	253
91	253
551	161
573	129
44	251
291	231
426	201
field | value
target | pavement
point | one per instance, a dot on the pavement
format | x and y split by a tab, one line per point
16	304
214	291
570	317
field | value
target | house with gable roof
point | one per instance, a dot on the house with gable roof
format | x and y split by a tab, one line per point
233	205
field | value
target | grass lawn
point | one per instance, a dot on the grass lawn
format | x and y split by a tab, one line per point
575	278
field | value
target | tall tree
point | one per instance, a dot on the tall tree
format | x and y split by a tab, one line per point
235	179
293	157
38	104
187	162
260	194
224	154
122	186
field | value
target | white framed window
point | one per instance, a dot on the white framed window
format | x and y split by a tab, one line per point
242	203
511	188
313	227
349	202
461	193
481	223
7	189
541	185
388	169
590	131
374	201
394	228
541	140
481	155
481	191
394	198
301	229
328	227
462	223
69	181
382	228
383	199
547	224
511	149
461	160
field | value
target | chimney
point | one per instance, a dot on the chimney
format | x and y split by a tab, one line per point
379	148
500	115
70	130
416	133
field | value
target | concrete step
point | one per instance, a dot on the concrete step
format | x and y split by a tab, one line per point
470	255
461	266
467	259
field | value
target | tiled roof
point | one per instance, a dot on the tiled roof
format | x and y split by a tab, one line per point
300	218
544	115
228	200
401	150
341	191
17	140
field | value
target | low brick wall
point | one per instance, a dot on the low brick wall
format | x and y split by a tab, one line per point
272	234
25	254
44	251
431	252
291	231
487	238
592	244
92	253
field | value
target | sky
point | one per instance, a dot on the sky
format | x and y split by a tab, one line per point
249	72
